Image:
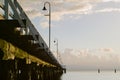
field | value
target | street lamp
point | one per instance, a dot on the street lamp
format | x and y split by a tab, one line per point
56	41
44	8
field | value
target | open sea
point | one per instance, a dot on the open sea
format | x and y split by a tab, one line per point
91	75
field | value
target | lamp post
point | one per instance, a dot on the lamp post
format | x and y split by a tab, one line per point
49	14
56	41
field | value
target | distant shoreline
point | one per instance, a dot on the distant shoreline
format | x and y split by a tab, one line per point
95	70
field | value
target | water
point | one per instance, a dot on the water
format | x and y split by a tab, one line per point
91	75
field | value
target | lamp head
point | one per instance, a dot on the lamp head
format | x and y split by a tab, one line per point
44	8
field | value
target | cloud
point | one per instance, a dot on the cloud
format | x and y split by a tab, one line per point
57	6
108	10
61	8
111	0
44	24
67	50
106	49
103	58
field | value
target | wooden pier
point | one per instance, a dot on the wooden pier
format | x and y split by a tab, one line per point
24	54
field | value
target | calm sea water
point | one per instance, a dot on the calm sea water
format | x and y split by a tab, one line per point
91	75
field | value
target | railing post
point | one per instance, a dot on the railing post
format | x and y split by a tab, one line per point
6	9
16	14
14	2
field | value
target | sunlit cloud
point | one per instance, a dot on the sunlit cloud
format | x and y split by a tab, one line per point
91	58
61	8
106	50
44	24
111	0
108	10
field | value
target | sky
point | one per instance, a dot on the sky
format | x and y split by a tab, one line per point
88	31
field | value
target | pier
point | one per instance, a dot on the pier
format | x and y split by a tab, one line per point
24	55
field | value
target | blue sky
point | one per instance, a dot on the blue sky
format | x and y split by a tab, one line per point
83	27
100	30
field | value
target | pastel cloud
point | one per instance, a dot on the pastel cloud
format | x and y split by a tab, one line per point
74	9
90	59
108	10
62	7
111	0
44	24
106	50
